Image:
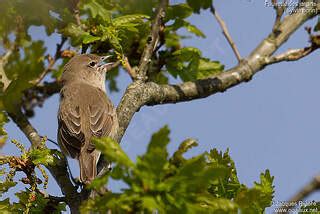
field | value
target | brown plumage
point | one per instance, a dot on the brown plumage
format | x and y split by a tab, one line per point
85	111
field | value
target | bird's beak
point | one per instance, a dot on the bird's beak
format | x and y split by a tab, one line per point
103	65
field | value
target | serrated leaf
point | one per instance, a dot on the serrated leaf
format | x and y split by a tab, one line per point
151	165
257	198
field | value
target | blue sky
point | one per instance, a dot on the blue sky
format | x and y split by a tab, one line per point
271	122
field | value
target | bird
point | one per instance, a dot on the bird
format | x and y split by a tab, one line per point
85	111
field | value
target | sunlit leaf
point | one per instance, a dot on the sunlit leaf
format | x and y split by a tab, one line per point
112	151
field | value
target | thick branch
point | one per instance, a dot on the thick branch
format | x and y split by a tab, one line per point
226	32
23	123
153	40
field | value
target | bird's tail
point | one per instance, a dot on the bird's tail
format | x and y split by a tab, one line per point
88	166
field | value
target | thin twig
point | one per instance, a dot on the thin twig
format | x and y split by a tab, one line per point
51	61
226	32
280	8
152	42
291	55
132	72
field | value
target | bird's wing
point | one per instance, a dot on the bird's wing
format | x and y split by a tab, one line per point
85	111
102	115
70	134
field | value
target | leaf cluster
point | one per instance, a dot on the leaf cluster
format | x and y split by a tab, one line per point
31	199
157	182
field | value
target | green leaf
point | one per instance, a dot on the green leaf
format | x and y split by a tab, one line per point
90	39
207	183
97	9
99	182
193	29
259	197
112	151
178	11
151	204
5	206
41	156
177	158
150	166
179	23
197	5
189	65
208	68
23	68
129	19
6	185
229	185
187	53
3	134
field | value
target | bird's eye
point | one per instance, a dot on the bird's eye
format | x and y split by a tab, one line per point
92	63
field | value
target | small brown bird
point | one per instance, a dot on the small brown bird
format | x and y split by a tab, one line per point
85	111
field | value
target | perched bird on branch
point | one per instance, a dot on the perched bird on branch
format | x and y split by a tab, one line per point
85	111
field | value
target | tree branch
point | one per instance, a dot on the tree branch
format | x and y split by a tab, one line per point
51	61
311	187
131	71
291	55
139	93
3	77
280	8
226	32
23	123
152	41
59	171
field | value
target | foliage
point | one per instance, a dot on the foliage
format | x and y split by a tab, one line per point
206	183
3	133
157	181
31	199
110	26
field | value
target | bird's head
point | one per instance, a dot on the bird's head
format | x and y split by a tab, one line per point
89	68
